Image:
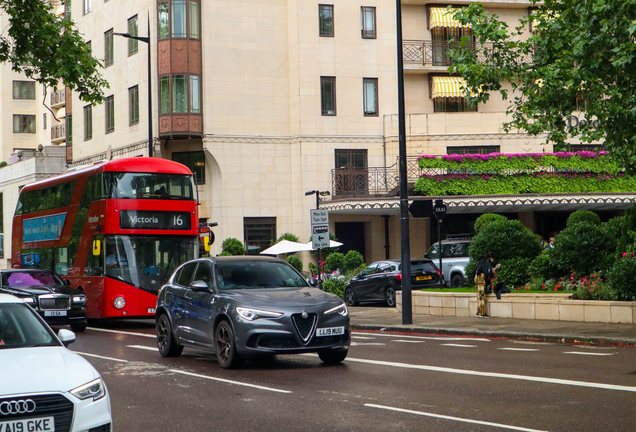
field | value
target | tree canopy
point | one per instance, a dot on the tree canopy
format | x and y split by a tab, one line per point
48	49
579	58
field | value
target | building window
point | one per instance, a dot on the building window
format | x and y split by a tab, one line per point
444	29
133	30
195	94
179	94
44	120
351	173
110	114
370	87
67	10
23	123
88	122
164	95
195	20
368	22
178	18
328	95
69	130
452	104
195	161
472	149
325	14
23	90
258	233
109	48
164	21
133	105
87	6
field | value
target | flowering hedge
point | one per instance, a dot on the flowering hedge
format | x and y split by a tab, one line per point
505	163
537	183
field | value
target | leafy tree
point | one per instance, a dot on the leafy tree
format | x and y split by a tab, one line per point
486	219
334	261
582	247
583	216
353	260
232	246
286	236
48	49
295	262
579	53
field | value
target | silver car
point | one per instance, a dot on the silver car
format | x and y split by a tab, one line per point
241	307
454	260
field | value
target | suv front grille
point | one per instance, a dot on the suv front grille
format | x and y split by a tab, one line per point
50	405
305	326
59	302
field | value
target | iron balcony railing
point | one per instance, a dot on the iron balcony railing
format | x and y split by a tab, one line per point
435	53
58	132
58	97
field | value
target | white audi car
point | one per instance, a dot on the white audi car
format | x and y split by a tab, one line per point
43	385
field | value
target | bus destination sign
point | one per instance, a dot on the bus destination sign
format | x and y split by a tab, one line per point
43	228
150	219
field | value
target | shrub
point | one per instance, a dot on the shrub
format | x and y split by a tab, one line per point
352	260
514	271
581	248
486	219
3	164
334	261
626	240
286	236
621	279
232	246
295	262
313	268
592	288
541	268
583	216
334	286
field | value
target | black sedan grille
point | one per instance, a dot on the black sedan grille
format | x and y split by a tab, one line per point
277	341
55	303
51	405
305	326
102	428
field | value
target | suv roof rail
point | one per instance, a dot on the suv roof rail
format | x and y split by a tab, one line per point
463	236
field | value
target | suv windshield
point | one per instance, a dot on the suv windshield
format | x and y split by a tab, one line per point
21	328
256	274
148	186
18	279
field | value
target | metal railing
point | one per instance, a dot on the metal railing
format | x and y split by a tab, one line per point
436	53
58	132
58	97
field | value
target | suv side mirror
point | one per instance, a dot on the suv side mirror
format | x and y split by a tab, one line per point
312	281
199	286
426	255
67	282
67	337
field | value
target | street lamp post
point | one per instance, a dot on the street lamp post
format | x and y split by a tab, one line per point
146	40
318	195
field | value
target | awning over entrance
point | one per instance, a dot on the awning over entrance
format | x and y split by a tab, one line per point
447	86
442	17
491	203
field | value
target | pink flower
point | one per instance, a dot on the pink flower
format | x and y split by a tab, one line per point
624	254
556	289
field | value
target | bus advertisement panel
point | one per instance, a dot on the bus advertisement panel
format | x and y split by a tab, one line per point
116	230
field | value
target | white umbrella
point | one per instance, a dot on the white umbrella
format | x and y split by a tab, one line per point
332	244
285	247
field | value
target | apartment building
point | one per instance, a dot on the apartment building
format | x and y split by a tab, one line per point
267	99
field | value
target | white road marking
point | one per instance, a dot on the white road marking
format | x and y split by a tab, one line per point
518	349
229	381
495	375
460	345
407	341
123	332
366	343
459	419
425	337
101	357
589	353
361	337
142	347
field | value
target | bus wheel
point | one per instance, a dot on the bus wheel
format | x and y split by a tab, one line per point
78	327
165	339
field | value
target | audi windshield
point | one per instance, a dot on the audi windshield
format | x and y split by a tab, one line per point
20	327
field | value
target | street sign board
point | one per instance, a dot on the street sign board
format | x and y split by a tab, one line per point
440	209
422	208
319	229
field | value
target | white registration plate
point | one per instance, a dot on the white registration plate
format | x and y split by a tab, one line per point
152	310
51	313
330	331
42	424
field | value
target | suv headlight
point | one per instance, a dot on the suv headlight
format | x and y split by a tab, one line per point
79	298
254	314
95	389
341	310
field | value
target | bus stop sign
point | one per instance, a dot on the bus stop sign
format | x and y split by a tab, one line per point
439	209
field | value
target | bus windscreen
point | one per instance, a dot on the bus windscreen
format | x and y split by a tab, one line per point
148	186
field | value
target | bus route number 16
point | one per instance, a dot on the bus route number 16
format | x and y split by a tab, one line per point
177	221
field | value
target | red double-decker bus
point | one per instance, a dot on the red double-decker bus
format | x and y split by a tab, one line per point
116	230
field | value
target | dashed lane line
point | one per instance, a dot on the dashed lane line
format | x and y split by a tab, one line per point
367	344
589	353
101	357
408	341
361	337
518	349
229	381
441	338
458	419
142	347
460	345
495	375
153	336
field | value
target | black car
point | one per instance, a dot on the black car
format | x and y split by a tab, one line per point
380	280
45	292
246	306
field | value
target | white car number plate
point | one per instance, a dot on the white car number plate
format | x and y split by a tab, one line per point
152	310
43	424
51	313
330	331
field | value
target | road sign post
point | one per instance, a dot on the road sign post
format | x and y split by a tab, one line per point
439	210
319	235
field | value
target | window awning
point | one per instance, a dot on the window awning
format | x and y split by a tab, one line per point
447	86
442	17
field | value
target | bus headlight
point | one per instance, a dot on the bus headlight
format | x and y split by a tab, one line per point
119	302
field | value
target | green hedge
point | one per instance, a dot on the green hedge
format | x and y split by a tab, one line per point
461	184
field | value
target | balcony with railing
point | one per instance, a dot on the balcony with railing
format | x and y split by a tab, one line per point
58	98
58	133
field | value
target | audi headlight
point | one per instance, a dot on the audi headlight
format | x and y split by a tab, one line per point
119	302
29	300
254	314
79	299
341	310
94	389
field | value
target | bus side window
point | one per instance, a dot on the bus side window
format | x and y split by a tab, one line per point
95	263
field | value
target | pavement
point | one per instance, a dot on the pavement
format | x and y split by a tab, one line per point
382	318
